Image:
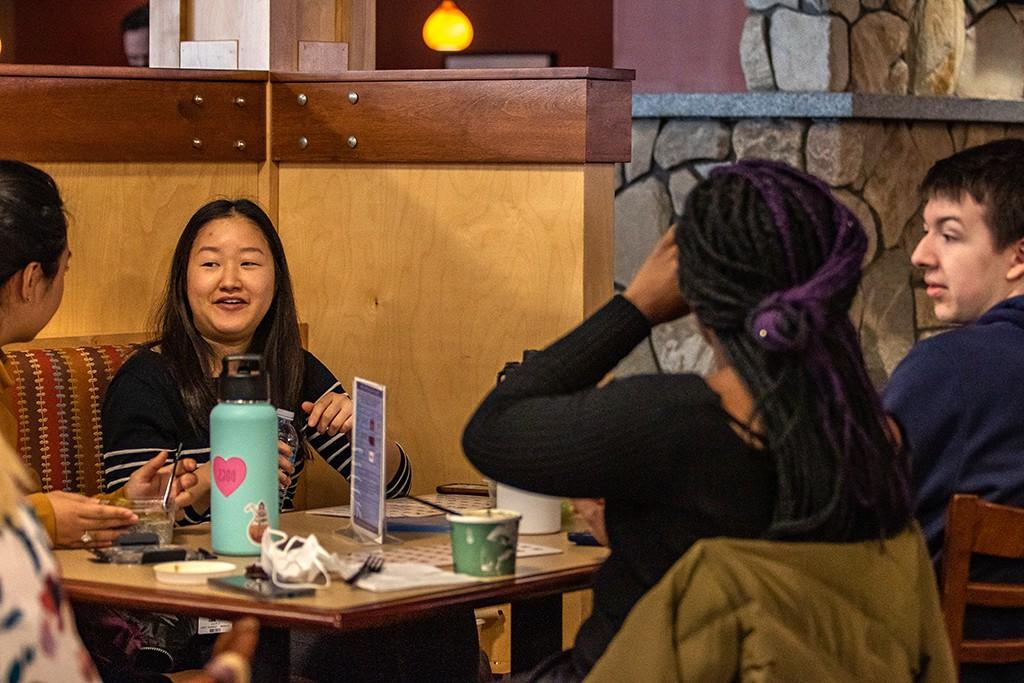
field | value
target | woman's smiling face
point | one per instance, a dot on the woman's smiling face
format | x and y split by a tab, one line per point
230	280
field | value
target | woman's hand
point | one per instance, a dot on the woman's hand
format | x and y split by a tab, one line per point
285	467
200	493
655	287
150	480
332	413
79	516
591	511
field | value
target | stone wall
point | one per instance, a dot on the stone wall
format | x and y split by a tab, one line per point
885	61
968	48
873	166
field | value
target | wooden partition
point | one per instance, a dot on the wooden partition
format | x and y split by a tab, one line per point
437	223
445	222
470	219
429	279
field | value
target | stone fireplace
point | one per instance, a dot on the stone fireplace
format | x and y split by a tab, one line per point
866	95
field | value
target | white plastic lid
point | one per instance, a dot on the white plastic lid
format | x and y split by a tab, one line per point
194	572
286	414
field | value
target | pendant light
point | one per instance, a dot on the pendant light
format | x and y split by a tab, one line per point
447	29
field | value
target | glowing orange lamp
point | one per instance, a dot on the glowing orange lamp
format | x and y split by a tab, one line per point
447	29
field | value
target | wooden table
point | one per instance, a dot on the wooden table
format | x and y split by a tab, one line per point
535	590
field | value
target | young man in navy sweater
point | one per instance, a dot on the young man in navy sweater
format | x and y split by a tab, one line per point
958	397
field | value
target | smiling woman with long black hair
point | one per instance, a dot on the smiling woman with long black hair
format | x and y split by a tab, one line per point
228	292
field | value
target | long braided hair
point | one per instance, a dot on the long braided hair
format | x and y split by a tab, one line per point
770	261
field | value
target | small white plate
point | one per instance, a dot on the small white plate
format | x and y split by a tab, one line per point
193	572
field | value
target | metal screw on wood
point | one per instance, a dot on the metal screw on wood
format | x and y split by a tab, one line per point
239	101
198	99
303	143
240	145
352	142
197	143
353	97
302	99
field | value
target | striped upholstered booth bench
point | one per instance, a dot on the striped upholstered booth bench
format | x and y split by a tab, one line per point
59	384
58	392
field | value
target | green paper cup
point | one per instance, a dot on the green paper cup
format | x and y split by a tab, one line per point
484	542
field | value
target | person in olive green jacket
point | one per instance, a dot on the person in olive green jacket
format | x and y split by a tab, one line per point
754	610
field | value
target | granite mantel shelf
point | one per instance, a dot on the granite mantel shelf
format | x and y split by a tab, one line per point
825	105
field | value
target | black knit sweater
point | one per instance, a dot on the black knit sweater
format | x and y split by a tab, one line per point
659	448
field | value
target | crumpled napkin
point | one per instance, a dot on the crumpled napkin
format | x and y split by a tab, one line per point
397	576
298	561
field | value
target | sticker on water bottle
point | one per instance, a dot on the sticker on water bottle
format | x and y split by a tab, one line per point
228	474
259	523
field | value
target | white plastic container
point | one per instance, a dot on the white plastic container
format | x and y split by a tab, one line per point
541	514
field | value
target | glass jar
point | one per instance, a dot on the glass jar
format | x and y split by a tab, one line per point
153	518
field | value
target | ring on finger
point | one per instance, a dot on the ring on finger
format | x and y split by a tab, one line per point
86	538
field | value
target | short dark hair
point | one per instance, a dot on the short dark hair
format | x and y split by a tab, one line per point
991	174
137	18
276	337
770	261
33	224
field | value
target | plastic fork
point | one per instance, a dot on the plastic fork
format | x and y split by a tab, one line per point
372	564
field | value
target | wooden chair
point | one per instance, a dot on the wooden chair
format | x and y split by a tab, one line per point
978	526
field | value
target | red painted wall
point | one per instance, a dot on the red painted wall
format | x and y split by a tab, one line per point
578	32
681	45
70	31
674	45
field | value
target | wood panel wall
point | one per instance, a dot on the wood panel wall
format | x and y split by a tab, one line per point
391	291
428	278
125	219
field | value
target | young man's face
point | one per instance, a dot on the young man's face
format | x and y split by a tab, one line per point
964	272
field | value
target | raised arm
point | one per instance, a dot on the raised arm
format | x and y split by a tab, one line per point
327	423
549	428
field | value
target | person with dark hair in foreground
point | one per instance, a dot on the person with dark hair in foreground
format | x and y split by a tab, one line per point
34	257
957	395
785	440
38	639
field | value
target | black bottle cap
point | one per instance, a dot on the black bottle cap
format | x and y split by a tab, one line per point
242	379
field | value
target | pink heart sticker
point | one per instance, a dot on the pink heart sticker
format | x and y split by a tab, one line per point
228	474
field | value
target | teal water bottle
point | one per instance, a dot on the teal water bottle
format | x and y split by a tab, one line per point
243	454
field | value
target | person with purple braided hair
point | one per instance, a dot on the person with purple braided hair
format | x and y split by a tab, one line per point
785	440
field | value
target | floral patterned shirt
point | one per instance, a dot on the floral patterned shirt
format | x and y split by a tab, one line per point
38	640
